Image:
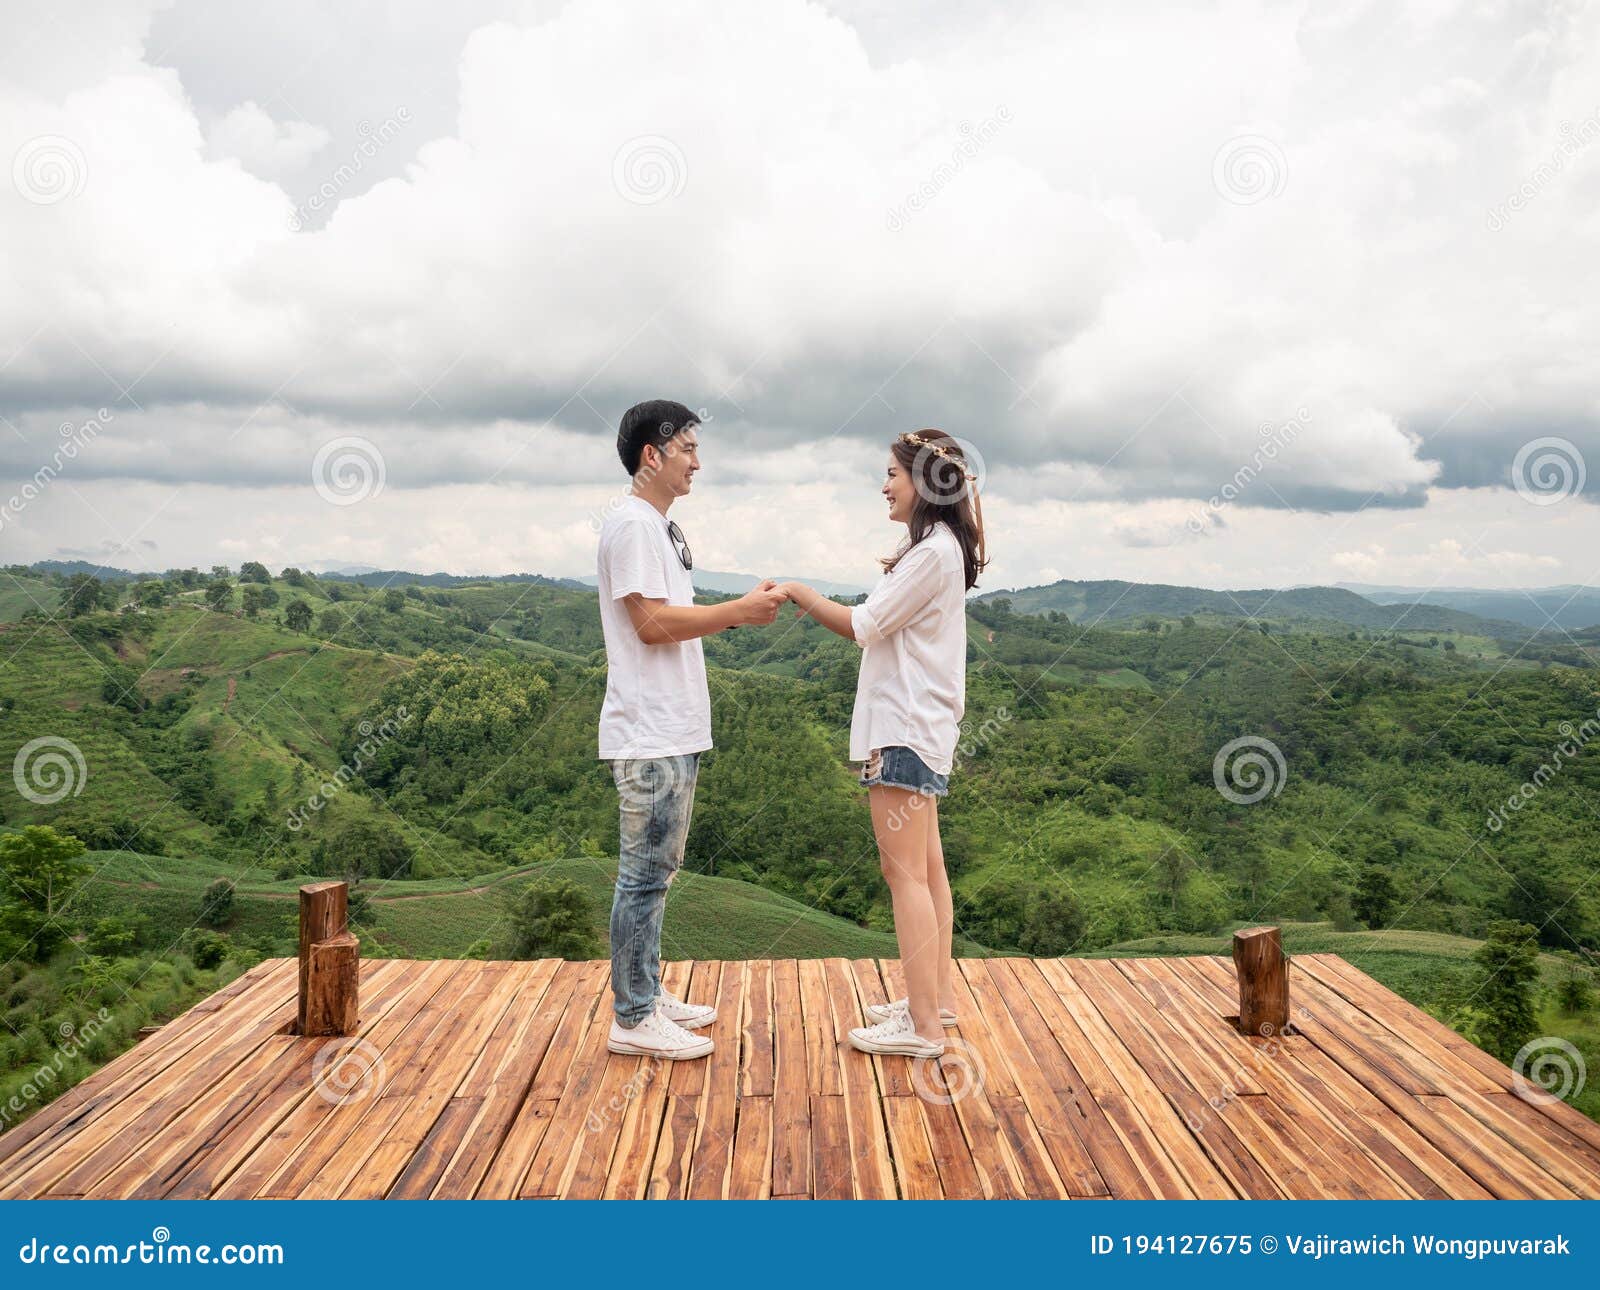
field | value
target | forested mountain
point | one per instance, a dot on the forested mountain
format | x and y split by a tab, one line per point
264	728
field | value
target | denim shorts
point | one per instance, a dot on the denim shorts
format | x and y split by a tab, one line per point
899	767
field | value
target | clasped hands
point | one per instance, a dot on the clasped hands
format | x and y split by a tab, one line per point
759	606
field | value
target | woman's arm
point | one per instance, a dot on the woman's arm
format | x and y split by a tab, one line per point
658	623
830	613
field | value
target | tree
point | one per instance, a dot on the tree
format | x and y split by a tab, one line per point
84	594
151	595
40	869
553	918
254	571
218	594
1502	1003
296	577
1374	896
368	849
253	600
298	616
394	600
217	903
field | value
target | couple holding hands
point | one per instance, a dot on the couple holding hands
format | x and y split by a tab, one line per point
656	718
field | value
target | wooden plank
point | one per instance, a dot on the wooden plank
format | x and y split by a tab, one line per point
712	1167
958	1175
1057	1121
751	1178
915	1167
830	1147
566	1138
501	1081
1114	1171
1517	1181
670	1170
327	1162
791	1097
1166	1127
756	1031
635	1149
823	1076
873	1175
689	1078
312	1113
1120	1008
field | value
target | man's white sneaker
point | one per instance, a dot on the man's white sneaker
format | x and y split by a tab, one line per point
691	1016
895	1035
657	1036
882	1011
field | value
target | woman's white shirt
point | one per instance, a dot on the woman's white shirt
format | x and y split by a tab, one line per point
912	631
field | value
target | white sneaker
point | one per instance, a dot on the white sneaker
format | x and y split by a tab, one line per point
882	1011
691	1016
895	1035
657	1036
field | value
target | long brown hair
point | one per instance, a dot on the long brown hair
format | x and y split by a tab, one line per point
945	474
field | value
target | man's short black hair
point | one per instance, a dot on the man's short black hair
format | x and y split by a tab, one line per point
654	422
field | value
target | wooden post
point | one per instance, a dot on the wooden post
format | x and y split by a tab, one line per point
330	962
1263	973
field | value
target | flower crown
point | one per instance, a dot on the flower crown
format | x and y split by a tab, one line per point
941	451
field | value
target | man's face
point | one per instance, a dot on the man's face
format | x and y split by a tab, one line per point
676	461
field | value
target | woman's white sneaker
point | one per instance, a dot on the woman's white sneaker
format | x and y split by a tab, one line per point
882	1011
691	1016
657	1036
895	1035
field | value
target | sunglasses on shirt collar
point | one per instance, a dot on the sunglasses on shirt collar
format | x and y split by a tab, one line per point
680	544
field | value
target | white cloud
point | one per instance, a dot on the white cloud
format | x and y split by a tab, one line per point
266	148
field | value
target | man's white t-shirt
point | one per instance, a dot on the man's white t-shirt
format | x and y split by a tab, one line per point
657	703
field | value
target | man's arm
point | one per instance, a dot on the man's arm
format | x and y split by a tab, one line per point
659	623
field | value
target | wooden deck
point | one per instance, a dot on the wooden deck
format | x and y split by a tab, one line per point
1066	1078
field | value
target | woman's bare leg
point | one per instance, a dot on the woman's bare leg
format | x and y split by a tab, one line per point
900	821
943	907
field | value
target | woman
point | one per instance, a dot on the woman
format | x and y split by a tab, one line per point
910	695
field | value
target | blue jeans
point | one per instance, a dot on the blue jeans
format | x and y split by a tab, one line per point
899	767
655	795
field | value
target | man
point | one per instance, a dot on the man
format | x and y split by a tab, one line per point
656	719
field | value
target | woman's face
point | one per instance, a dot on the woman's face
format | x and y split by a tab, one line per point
899	491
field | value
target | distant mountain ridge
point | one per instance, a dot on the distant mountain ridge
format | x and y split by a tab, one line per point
1569	608
1111	600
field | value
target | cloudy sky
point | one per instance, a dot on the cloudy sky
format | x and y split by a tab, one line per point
1236	296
